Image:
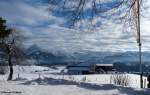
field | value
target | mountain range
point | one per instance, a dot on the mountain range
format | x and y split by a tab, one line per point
125	61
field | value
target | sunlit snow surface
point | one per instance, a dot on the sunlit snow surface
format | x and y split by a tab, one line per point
37	80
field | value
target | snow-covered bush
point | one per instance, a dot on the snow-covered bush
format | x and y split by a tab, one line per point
120	79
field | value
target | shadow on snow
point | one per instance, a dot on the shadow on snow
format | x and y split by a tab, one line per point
89	86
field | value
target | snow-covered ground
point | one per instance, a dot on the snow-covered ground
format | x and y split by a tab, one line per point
38	80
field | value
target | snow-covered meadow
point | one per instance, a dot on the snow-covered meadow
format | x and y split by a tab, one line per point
39	80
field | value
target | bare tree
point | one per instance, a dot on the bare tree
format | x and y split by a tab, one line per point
9	41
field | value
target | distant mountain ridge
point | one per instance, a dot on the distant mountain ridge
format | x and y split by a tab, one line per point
125	61
43	56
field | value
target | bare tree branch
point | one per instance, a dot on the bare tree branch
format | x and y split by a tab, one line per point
79	10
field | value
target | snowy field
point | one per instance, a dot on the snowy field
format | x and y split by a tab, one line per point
38	80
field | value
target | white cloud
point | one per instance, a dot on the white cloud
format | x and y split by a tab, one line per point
67	40
22	13
35	20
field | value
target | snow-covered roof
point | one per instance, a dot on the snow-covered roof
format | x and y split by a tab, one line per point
97	64
104	64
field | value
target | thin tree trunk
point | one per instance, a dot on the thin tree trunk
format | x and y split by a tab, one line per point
10	68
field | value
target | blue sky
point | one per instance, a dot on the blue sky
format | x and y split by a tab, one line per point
42	28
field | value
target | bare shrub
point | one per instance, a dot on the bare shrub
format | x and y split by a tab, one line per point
121	79
70	77
84	79
3	69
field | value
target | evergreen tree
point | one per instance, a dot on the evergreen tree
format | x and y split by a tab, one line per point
4	32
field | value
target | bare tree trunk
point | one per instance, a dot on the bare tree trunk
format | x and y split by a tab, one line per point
10	68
